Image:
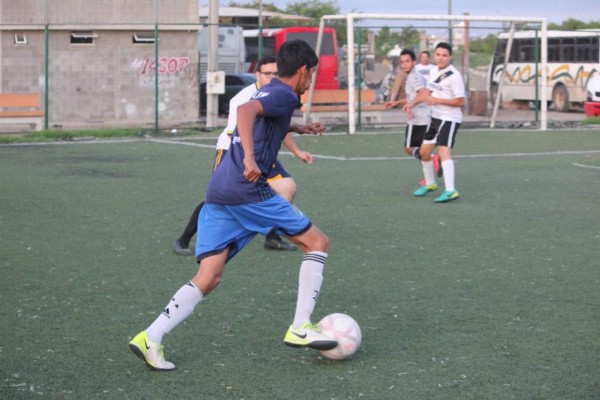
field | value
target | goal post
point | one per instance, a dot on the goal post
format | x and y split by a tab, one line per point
351	18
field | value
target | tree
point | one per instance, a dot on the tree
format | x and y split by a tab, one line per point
265	6
572	24
313	8
386	39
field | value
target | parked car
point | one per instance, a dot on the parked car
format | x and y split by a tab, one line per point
233	84
592	105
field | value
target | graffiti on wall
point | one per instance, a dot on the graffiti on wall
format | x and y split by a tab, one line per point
169	70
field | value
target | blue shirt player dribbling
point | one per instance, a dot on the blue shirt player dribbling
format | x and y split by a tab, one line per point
240	204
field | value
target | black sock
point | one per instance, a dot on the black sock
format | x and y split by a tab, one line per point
191	227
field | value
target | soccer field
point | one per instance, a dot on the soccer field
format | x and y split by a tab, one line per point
493	296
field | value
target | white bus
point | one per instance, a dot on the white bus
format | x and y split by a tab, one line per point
231	53
573	59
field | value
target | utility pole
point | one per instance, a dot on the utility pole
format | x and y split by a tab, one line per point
450	23
260	28
212	107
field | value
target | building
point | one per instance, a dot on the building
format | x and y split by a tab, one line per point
100	57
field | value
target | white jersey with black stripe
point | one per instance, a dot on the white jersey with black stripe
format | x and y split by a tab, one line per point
446	84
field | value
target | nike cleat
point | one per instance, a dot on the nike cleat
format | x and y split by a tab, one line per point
447	196
309	336
181	249
423	190
275	242
150	353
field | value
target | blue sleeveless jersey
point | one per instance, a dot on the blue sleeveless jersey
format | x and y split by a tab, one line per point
227	184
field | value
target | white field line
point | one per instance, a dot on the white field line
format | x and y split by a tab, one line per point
585	166
181	142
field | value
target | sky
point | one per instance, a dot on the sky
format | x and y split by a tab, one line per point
555	10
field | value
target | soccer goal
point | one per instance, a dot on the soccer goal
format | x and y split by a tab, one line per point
352	18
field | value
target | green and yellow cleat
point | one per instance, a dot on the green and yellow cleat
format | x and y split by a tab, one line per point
423	190
308	335
150	353
447	196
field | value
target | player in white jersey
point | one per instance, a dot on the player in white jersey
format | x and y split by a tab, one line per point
419	115
446	97
424	67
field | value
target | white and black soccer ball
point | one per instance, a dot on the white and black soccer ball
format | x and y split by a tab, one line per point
345	330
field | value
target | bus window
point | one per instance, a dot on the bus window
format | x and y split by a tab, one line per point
553	50
567	48
251	43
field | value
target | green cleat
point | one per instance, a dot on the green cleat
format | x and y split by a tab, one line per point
423	190
308	335
150	353
447	196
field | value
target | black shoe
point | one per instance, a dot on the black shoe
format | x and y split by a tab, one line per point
181	249
274	242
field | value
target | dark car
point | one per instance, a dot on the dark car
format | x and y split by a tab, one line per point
233	84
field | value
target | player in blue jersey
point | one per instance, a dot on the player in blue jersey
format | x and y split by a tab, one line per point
279	179
240	203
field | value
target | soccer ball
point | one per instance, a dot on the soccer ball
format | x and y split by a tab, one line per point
345	330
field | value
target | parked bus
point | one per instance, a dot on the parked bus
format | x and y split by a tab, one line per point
327	71
231	53
573	59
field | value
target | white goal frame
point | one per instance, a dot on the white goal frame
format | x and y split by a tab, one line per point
351	18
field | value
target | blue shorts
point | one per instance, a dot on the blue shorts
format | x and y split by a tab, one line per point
234	226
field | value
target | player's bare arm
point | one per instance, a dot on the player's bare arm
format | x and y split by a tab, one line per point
395	103
316	128
247	114
422	95
457	102
292	146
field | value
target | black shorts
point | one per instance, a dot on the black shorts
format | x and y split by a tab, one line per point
414	135
441	133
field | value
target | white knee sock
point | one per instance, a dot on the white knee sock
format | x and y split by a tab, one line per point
309	286
428	172
448	167
179	308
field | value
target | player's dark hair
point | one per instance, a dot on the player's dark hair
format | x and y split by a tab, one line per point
293	55
265	60
425	52
444	45
409	52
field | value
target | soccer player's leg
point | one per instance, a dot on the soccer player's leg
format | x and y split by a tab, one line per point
181	245
302	333
446	140
284	185
427	145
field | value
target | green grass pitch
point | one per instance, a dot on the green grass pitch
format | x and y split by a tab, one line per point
494	296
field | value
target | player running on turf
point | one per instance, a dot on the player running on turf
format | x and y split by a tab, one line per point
240	203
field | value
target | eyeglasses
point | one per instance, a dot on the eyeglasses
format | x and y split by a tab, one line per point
268	74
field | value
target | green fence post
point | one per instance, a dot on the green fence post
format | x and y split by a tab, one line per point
156	68
46	76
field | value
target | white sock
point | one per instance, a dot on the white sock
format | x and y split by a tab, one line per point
309	286
448	167
428	172
179	308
